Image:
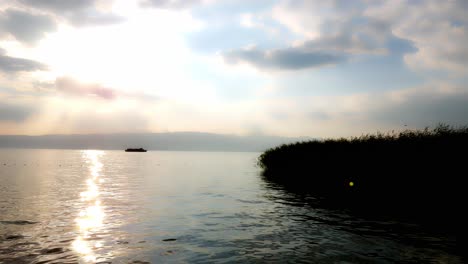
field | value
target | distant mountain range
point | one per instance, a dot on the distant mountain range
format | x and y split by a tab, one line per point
190	141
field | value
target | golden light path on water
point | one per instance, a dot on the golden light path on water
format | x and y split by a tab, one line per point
92	216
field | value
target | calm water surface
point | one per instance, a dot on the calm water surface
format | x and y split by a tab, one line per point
73	206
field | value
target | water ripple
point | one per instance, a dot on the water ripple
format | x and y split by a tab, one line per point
68	206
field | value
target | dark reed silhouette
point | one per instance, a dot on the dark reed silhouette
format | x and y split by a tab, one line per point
414	173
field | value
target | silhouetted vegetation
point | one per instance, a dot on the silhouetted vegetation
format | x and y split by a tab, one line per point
414	171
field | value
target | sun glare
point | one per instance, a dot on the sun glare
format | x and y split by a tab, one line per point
143	53
92	216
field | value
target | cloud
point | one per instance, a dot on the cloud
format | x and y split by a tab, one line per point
331	32
12	64
431	34
309	17
318	115
424	106
416	107
438	29
293	58
336	25
15	112
25	27
93	17
77	12
354	114
370	37
59	5
71	86
143	97
115	122
170	4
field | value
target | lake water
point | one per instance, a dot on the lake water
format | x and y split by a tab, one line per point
69	206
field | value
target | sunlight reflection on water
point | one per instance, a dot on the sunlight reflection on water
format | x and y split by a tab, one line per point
90	218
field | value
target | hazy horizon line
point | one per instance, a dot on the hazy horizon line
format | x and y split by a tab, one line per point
151	133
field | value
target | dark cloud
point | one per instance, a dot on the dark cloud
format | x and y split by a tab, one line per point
294	58
359	35
25	27
342	27
77	12
339	38
71	86
169	4
11	64
58	5
15	112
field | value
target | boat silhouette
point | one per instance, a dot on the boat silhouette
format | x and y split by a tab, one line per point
135	150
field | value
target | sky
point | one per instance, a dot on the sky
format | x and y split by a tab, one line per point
282	68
